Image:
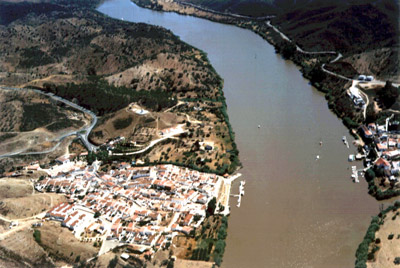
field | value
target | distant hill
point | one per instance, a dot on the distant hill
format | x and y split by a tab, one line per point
365	31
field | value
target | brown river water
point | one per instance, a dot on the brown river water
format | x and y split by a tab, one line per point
297	211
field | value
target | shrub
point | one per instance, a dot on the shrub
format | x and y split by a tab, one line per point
122	123
37	236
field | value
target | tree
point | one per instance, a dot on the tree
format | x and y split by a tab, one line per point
170	263
97	214
389	94
316	74
37	236
370	175
288	49
113	263
211	206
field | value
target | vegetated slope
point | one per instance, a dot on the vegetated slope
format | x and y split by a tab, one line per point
344	27
367	28
27	110
62	44
105	64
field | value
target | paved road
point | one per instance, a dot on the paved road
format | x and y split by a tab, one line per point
152	143
339	56
224	13
83	133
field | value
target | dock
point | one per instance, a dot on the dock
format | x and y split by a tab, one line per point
227	182
241	193
354	174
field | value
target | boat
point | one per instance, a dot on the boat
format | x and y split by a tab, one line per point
344	138
320	143
259	126
317	157
351	158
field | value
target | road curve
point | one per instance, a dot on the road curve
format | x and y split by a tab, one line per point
83	133
339	56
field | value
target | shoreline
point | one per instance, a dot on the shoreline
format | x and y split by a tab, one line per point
350	123
277	39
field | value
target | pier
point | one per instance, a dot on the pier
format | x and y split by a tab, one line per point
226	193
241	193
354	174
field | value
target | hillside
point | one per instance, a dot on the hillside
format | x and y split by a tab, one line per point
57	44
365	32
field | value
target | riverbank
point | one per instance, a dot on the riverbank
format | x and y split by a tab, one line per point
258	83
314	66
380	244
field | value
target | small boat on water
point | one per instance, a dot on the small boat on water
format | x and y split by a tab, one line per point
259	126
317	157
320	143
345	141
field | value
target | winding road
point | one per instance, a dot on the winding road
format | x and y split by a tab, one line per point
154	142
83	133
224	13
339	56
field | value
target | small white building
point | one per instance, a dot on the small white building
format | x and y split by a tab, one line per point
124	256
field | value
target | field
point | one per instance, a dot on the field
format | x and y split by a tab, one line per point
15	188
27	204
63	246
20	249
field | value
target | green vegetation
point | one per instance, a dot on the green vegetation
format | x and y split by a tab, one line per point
287	49
363	254
211	206
213	244
64	123
10	12
102	98
37	236
374	190
122	123
33	56
7	136
39	114
389	94
113	263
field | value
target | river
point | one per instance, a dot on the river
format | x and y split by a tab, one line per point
297	211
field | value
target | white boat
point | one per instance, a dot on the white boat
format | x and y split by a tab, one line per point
317	157
344	138
259	126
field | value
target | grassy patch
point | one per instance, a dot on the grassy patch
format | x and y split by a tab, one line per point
39	114
122	123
